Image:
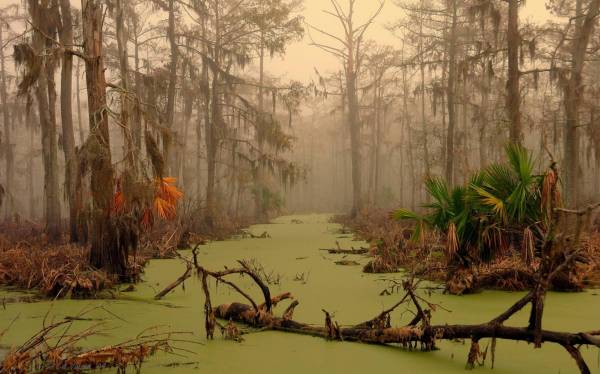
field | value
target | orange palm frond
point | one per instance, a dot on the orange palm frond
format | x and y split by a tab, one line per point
147	218
118	202
164	208
168	191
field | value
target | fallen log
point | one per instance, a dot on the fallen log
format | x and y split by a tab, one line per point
339	250
243	313
353	251
418	333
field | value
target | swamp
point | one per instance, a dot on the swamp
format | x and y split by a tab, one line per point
327	186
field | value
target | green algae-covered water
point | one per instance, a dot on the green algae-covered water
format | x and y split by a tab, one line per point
292	254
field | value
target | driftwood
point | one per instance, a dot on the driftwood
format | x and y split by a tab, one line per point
339	250
353	251
417	333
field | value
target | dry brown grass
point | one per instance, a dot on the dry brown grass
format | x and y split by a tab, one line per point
29	262
56	270
392	250
55	349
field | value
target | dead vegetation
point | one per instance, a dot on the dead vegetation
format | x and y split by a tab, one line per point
57	270
55	349
29	261
392	250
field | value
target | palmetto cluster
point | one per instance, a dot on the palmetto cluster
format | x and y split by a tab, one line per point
503	208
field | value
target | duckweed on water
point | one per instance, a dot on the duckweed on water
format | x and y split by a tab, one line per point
292	253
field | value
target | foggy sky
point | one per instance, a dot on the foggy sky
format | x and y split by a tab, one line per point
301	58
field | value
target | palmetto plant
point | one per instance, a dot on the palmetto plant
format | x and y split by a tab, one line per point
500	207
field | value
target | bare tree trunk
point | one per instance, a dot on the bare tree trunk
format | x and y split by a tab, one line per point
7	141
199	123
513	93
172	86
451	91
46	98
122	37
425	137
137	118
259	183
466	132
573	94
30	159
212	126
105	252
66	111
354	123
483	117
79	116
380	125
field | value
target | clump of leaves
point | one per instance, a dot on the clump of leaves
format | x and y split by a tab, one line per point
500	209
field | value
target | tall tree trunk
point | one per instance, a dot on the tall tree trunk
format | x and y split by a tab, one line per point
167	141
66	112
30	174
380	126
513	93
483	117
451	91
354	123
105	253
78	98
573	95
137	118
259	183
213	126
7	141
122	37
46	98
425	137
465	135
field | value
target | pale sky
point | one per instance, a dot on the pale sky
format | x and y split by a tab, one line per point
301	58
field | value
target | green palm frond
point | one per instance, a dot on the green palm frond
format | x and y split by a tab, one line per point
500	178
484	214
521	162
404	214
438	189
494	202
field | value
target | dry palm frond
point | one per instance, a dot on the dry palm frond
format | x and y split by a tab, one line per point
550	193
527	246
166	198
153	198
451	241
